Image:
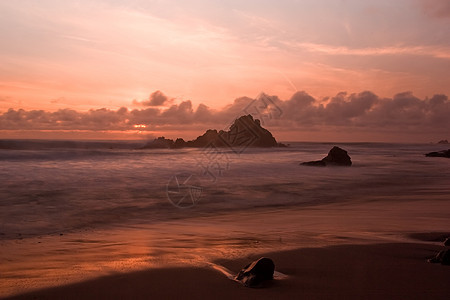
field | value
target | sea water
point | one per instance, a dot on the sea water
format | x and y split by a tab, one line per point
48	186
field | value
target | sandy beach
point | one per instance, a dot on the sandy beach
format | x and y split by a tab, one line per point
378	271
377	250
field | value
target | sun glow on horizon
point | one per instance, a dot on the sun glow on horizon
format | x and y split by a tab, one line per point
140	126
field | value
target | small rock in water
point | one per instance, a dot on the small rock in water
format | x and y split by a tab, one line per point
442	257
255	273
443	153
336	157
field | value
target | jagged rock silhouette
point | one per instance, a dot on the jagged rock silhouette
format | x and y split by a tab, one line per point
244	132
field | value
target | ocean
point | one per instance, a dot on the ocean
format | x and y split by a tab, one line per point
48	187
96	207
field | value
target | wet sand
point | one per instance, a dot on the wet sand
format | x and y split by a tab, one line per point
377	271
374	249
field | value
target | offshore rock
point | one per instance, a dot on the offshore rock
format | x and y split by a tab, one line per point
336	157
244	132
443	153
159	143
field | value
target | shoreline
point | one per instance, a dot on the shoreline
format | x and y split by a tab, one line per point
66	260
371	271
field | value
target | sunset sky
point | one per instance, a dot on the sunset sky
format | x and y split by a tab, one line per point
97	68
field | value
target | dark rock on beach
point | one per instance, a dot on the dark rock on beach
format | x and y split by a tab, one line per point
255	273
244	132
443	257
336	157
443	153
447	242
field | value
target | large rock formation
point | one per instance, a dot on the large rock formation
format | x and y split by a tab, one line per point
211	136
159	143
336	157
255	273
244	132
443	142
443	153
249	132
179	143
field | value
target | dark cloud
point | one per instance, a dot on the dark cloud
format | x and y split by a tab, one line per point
156	99
178	114
358	111
143	116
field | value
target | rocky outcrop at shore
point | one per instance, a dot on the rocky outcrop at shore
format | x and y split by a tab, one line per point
443	257
255	273
447	242
443	153
244	132
336	157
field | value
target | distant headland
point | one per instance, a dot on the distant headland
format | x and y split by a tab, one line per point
244	132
